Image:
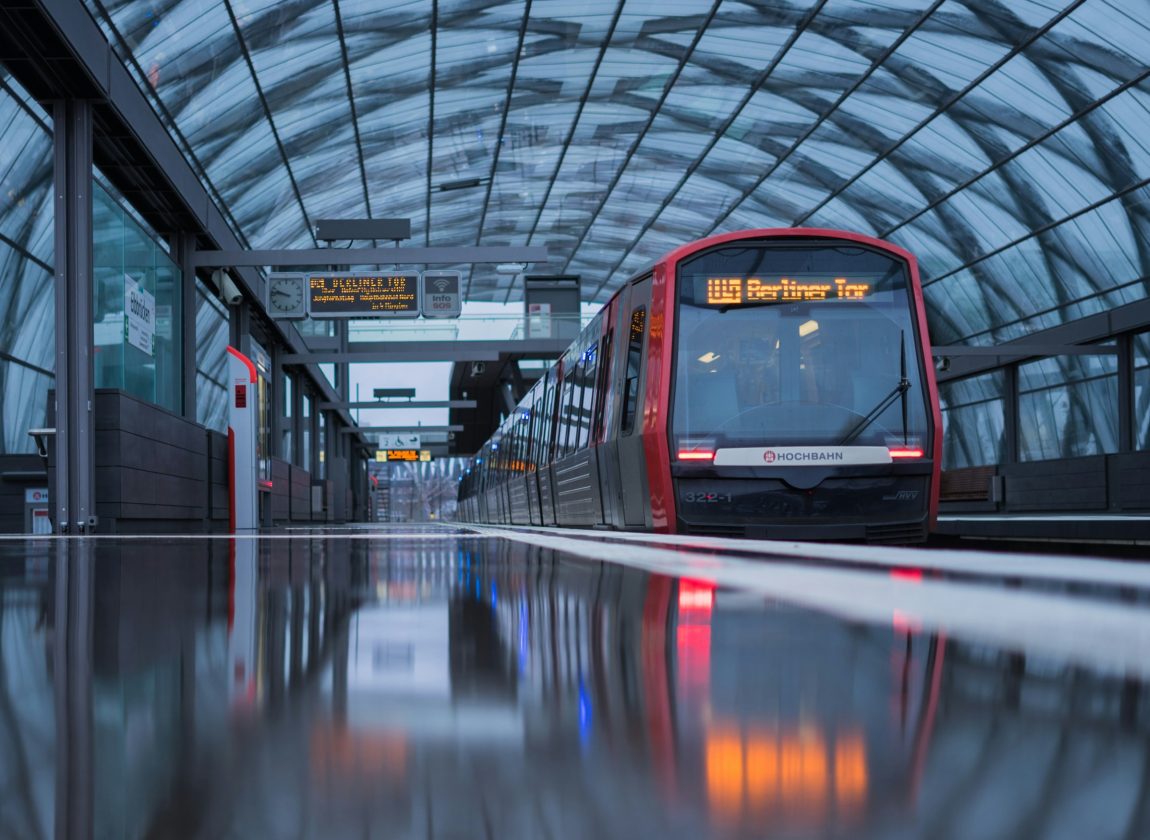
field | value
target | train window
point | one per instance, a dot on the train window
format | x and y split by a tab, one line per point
602	386
818	357
589	366
573	406
569	374
553	415
634	367
542	423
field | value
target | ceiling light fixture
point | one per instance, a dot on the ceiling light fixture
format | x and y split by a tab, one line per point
464	184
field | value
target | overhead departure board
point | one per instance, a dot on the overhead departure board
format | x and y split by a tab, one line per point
402	455
383	295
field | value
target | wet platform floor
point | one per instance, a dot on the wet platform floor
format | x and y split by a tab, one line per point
444	682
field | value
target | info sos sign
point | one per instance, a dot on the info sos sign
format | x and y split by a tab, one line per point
442	294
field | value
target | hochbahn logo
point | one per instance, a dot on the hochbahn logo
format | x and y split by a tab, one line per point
801	456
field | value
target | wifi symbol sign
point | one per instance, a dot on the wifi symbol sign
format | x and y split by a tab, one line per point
441	295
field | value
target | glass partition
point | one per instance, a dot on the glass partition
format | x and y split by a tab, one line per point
973	420
1142	391
136	307
1067	407
211	360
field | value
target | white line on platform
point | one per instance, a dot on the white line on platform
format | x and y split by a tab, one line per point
302	535
1086	570
1111	636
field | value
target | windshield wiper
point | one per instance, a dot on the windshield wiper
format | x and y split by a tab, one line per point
898	391
755	304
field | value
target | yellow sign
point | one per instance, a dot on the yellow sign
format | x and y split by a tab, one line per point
736	291
364	295
403	455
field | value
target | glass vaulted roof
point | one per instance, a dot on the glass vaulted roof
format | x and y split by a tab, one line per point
1006	142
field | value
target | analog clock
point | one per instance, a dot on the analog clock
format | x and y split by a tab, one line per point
286	296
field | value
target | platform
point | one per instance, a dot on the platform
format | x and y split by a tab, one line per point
1128	529
442	682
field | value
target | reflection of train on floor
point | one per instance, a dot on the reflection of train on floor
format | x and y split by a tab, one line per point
772	383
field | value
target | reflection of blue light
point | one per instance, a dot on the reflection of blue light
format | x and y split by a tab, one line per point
493	598
494	446
584	714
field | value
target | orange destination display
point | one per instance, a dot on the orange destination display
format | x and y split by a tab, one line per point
391	295
736	291
403	455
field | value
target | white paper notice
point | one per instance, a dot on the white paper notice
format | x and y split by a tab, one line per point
139	316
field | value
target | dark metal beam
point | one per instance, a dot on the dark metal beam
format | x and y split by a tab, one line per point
385	429
1016	351
1130	317
368	256
434	351
73	501
328	406
416	353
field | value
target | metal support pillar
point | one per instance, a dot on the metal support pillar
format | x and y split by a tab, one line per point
74	502
1126	419
183	246
1010	408
72	688
339	464
240	328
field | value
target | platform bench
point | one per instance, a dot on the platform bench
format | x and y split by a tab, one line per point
969	484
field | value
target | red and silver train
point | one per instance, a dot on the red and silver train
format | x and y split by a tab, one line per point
765	383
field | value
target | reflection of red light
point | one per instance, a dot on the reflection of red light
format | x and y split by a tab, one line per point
696	595
911	575
693	639
905	623
906	453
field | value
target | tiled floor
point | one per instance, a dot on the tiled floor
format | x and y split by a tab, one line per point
440	682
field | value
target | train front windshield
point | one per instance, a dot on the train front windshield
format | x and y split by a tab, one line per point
797	344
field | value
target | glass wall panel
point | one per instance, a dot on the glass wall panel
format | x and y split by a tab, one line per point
973	420
137	307
1142	391
1068	407
288	399
27	293
211	360
321	445
305	437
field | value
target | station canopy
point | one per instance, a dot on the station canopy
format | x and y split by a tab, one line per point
1005	142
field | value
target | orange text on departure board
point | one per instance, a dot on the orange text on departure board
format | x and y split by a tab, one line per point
735	291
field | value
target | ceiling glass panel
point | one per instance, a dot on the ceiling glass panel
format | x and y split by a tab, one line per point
1005	143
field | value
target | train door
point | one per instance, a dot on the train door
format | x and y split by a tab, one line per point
632	461
610	475
547	456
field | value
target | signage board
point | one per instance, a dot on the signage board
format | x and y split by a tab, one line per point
399	441
381	295
409	455
139	316
442	294
750	291
36	496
